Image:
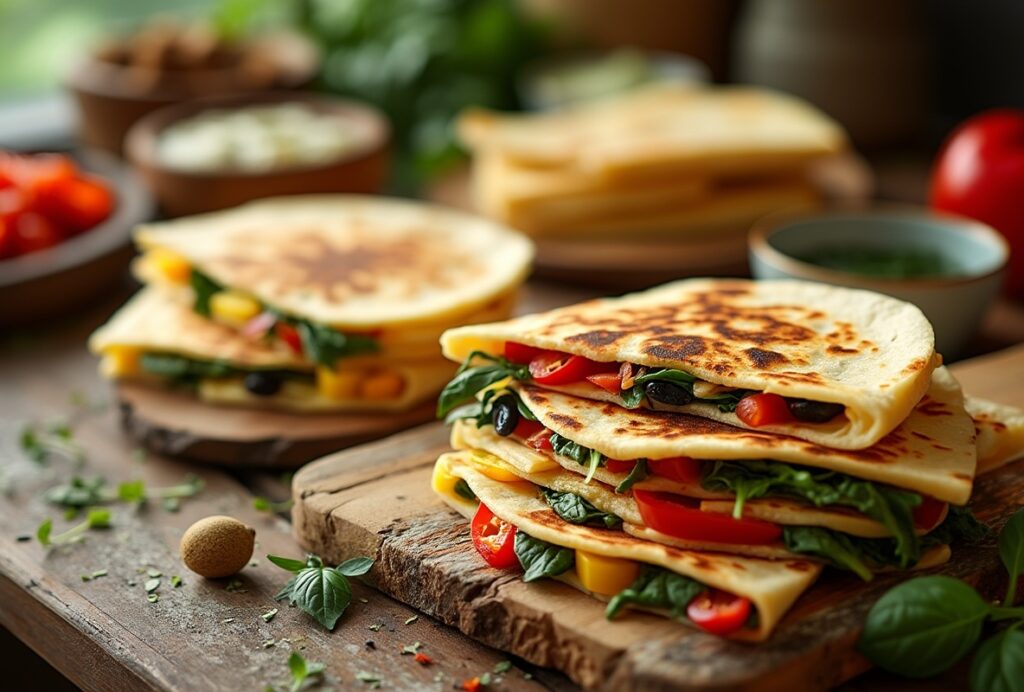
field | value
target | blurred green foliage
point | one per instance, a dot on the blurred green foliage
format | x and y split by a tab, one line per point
420	61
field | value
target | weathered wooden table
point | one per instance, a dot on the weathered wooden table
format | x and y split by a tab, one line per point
104	634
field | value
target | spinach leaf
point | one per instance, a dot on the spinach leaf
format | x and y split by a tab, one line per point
320	591
482	411
470	379
576	510
837	548
638	473
634	396
325	346
462	489
923	626
184	369
591	458
959	525
1011	552
540	558
656	588
998	665
203	287
891	507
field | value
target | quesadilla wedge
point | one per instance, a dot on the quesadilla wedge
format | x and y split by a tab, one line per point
838	367
158	340
513	527
337	276
698	484
1000	433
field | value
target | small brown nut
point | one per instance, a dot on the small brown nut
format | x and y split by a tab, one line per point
217	546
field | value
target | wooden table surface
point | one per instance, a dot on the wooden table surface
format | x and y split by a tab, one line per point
104	634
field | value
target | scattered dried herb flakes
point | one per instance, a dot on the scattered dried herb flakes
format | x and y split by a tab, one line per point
176	581
413	619
502	667
375	627
269	615
152	585
236	586
154	572
371	679
94	575
153	597
227	620
412	648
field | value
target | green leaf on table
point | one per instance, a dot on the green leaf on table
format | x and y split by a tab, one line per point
998	665
540	558
322	592
44	531
356	567
302	670
287	563
78	493
132	491
1011	552
923	626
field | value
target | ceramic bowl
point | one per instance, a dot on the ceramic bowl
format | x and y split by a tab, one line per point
43	284
955	302
179	192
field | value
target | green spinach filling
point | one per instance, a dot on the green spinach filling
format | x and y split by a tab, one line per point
322	345
576	510
189	371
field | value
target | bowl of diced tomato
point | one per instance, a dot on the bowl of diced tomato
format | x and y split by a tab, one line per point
65	227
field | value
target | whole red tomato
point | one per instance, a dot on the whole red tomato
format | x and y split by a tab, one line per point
980	173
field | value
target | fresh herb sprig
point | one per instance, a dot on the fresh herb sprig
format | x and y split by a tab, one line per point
80	492
95	519
320	591
303	671
470	378
264	504
924	626
41	441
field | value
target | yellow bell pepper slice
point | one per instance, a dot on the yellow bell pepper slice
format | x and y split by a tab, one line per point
170	265
233	307
337	384
605	575
493	467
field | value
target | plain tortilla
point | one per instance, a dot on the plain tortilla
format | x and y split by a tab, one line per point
871	353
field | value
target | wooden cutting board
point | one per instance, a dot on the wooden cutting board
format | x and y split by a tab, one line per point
376	500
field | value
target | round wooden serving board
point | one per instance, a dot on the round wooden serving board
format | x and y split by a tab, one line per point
176	424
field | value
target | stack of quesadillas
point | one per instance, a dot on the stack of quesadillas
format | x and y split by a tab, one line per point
321	303
664	159
705	447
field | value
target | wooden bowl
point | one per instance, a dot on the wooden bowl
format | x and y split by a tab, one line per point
363	169
43	284
111	97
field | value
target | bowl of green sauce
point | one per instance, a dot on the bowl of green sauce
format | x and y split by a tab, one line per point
949	266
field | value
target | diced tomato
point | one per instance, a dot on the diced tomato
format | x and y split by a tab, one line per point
34	232
681	469
927	514
6	238
422	659
719	612
554	368
526	429
494	539
608	381
35	174
290	335
471	685
521	353
758	410
78	204
541	441
619	465
681	517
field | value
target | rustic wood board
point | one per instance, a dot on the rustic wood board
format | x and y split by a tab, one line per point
375	500
104	635
615	262
177	424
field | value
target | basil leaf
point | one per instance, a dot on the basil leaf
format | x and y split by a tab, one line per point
287	563
540	558
474	410
356	567
325	346
323	592
998	665
466	384
923	626
891	507
78	493
576	510
184	369
1011	552
656	588
462	489
286	590
835	547
203	288
638	473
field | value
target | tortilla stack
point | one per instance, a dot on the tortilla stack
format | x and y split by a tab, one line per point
320	303
838	367
660	160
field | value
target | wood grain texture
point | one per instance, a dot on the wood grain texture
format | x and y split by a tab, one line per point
375	500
